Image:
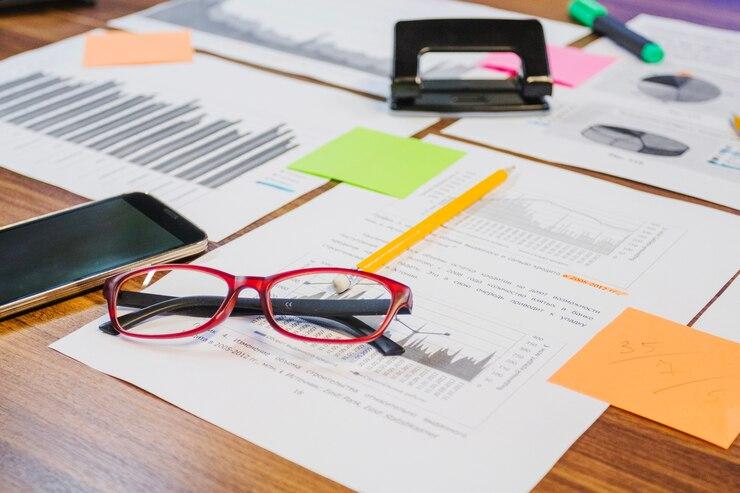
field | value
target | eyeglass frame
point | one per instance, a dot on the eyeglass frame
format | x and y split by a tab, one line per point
401	298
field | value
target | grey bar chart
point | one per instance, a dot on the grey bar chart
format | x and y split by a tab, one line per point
180	140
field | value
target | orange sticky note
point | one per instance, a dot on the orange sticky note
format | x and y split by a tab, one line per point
664	371
121	48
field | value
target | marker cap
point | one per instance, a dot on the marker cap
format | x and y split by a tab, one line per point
652	53
586	11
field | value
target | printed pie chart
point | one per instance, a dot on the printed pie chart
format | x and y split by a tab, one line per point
681	88
635	140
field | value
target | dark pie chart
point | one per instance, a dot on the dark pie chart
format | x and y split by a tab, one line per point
681	88
635	140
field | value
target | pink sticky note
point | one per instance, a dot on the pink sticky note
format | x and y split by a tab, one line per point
569	67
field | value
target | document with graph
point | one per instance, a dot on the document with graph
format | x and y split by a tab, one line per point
665	124
210	138
699	75
503	296
345	42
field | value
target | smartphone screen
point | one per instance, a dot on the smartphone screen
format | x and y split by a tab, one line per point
57	250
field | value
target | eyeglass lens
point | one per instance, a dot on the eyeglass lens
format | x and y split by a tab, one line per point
331	305
177	301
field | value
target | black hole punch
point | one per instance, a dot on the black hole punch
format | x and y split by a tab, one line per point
525	38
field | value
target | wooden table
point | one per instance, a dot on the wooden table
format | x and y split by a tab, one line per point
64	426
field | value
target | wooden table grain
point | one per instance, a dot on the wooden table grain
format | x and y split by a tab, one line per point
67	427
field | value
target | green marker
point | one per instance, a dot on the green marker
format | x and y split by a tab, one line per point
594	15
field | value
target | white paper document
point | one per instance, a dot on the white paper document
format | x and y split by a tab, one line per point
699	75
211	138
504	294
345	42
665	124
722	318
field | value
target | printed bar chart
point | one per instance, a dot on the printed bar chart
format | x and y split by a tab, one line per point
200	136
180	140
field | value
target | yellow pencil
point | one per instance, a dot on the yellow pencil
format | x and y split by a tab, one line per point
403	242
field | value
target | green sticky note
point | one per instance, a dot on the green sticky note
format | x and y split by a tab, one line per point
378	161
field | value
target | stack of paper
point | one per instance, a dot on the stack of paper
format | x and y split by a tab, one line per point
505	294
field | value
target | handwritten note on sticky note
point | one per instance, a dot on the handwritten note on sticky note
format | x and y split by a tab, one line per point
378	161
569	66
121	48
664	371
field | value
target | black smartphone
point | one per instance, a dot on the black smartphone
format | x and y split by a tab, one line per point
66	252
10	4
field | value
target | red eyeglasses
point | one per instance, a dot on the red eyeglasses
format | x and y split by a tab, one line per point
326	305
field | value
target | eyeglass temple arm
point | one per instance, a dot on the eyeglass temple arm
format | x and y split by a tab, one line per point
204	306
289	306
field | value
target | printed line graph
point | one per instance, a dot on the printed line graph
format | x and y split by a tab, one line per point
213	17
238	21
443	338
583	238
438	335
547	219
452	362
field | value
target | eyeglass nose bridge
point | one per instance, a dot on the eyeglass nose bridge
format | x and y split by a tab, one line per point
248	282
239	284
